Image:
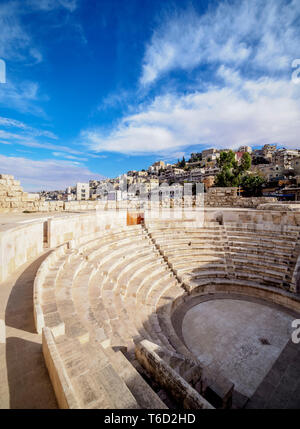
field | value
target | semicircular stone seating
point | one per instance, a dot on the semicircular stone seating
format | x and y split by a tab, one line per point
108	294
111	292
248	252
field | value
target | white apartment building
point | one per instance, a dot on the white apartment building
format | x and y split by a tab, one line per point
82	191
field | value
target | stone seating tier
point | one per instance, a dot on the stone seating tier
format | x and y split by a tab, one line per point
107	295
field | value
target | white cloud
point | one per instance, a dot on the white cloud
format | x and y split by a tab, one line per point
263	35
45	174
238	112
15	42
48	5
237	40
21	96
19	47
16	132
114	100
13	123
67	156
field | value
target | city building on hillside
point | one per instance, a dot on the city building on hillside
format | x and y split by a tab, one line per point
271	172
82	191
196	174
131	173
247	149
295	164
268	150
157	166
207	153
284	157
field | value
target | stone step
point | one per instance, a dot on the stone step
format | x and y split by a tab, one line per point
143	393
203	274
259	241
259	264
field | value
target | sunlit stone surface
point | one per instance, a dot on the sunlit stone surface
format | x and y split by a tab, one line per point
227	333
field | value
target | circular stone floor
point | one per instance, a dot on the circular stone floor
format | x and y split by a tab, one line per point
240	339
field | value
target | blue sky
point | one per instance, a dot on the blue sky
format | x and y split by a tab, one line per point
98	87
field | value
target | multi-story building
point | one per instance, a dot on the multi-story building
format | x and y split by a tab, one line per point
208	153
82	191
271	172
284	157
157	167
295	164
268	150
247	149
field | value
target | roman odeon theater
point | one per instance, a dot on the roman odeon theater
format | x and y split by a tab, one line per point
140	305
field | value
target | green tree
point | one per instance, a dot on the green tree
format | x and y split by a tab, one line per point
231	172
227	160
246	162
182	163
195	157
252	185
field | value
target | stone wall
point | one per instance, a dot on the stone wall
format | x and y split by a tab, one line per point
18	245
12	195
186	396
267	218
83	227
228	197
61	384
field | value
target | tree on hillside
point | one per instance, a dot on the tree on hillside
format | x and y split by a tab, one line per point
252	185
182	163
196	157
228	174
246	162
227	160
257	160
231	172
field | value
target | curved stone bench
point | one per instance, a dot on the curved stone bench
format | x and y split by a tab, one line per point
78	292
111	293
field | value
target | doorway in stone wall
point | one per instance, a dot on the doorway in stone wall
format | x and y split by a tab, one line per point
134	218
45	235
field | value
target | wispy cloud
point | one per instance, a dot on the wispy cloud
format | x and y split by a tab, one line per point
235	112
117	99
15	42
263	34
67	156
19	133
45	174
13	123
19	48
48	5
247	98
22	96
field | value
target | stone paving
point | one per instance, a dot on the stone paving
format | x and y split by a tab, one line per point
269	376
281	386
24	380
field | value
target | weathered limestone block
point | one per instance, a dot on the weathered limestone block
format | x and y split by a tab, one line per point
64	392
168	377
6	176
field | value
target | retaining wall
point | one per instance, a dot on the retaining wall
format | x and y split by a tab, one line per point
18	245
